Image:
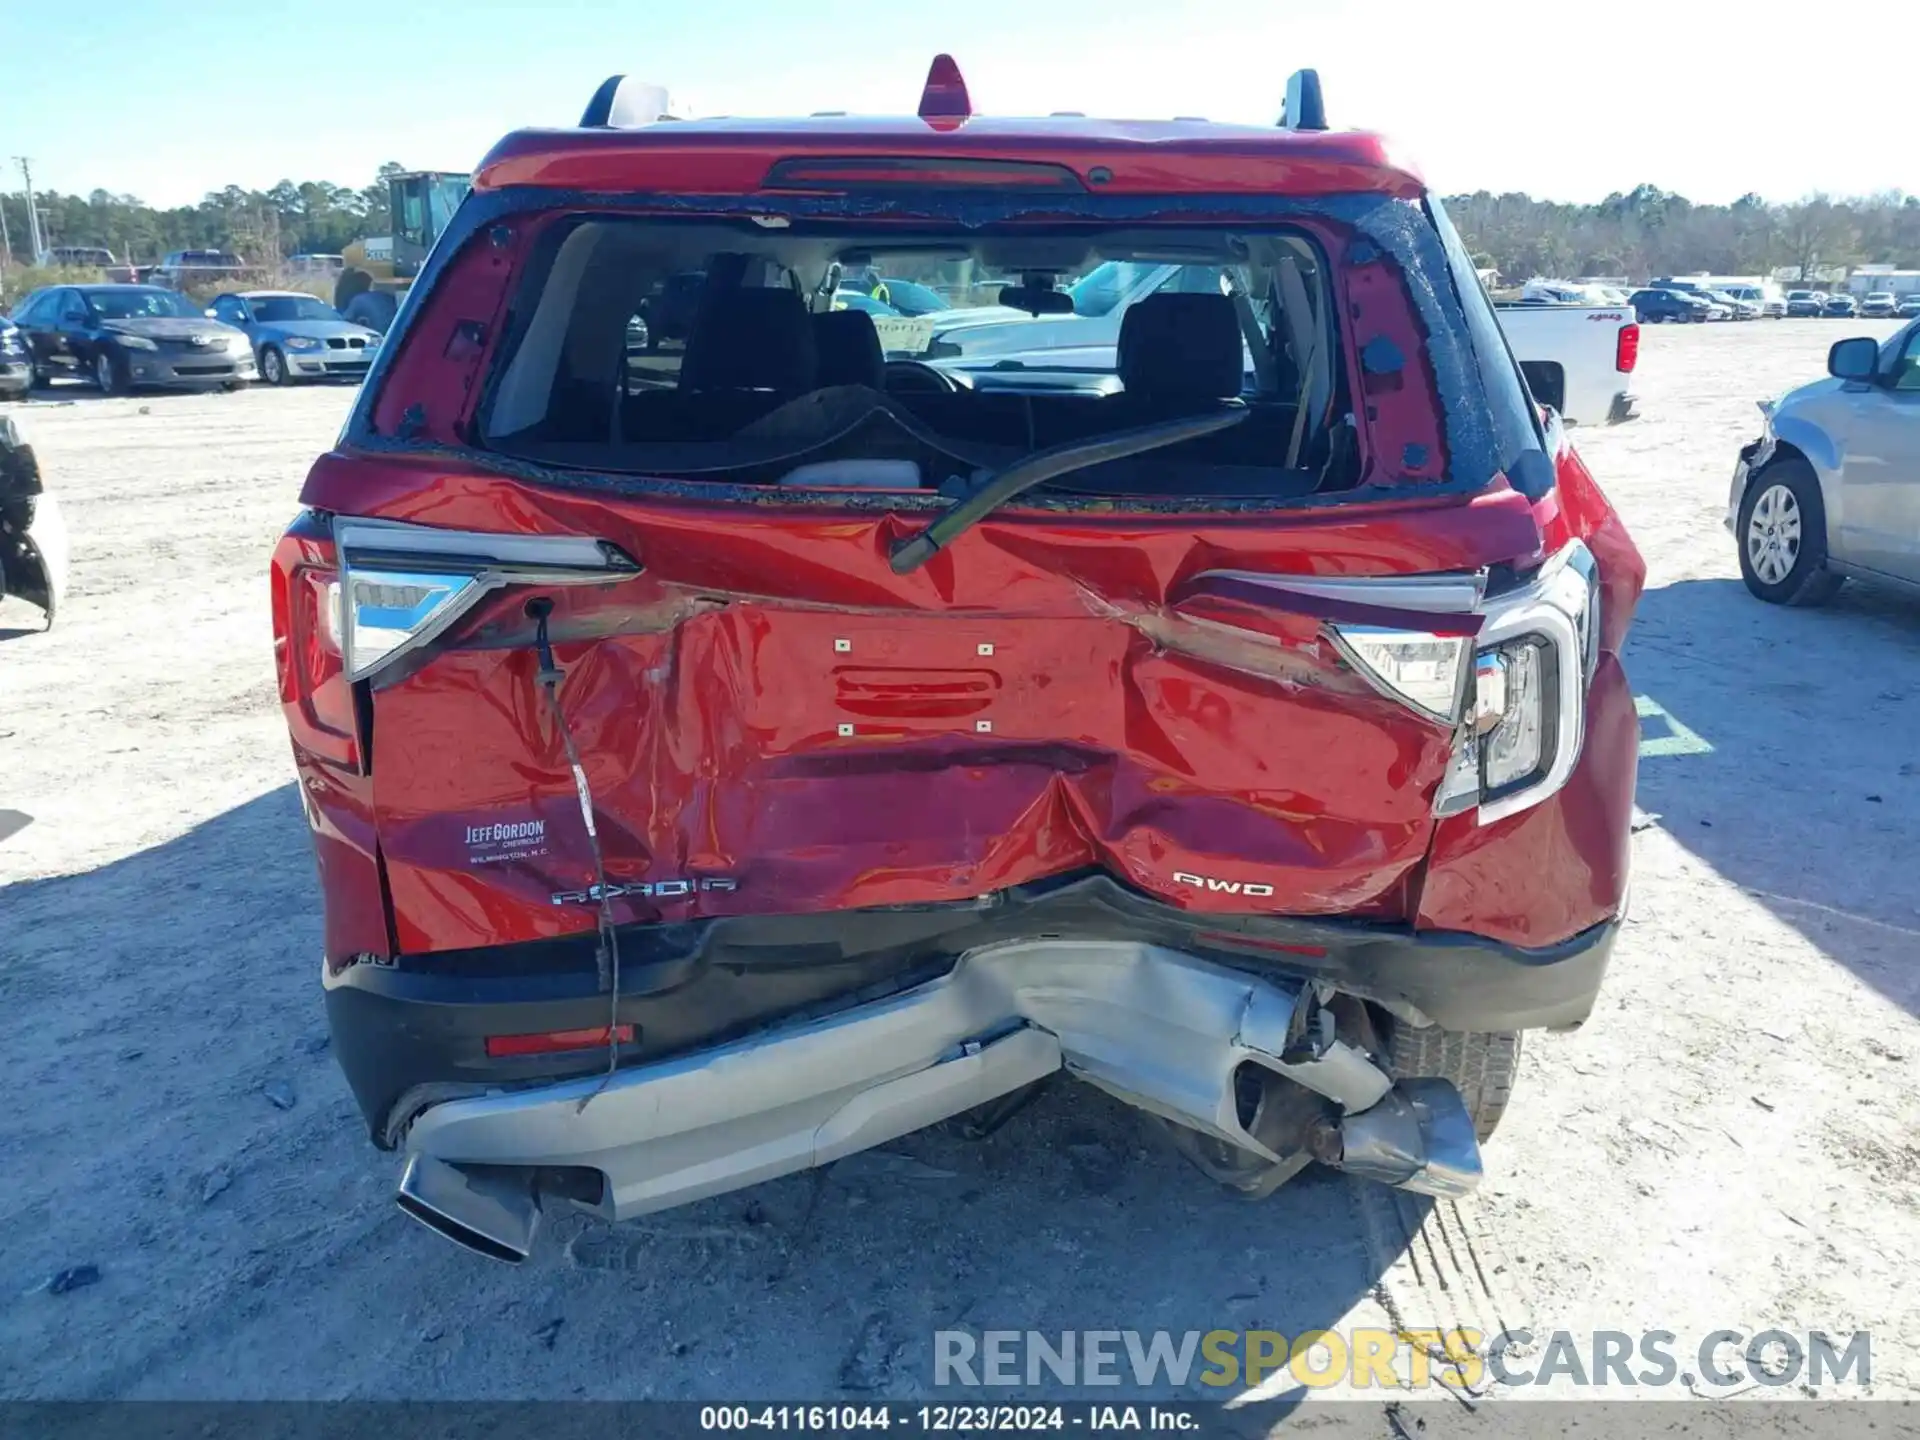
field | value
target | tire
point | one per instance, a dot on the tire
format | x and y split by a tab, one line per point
109	372
273	366
1482	1064
1782	535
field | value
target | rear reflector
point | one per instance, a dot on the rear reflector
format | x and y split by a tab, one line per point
1626	349
1279	947
501	1047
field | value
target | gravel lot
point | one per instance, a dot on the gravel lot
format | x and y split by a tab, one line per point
1733	1141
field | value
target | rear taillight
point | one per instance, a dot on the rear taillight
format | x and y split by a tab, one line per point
306	643
1626	348
401	586
1515	693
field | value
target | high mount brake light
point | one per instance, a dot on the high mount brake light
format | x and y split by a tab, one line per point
401	585
945	95
928	172
1515	693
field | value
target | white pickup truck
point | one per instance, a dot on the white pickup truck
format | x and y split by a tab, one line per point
1577	358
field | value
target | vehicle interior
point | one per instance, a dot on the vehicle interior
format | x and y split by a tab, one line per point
775	378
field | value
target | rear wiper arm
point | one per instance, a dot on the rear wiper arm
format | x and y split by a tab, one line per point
991	490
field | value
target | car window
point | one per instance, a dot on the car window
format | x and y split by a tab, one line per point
73	310
279	309
29	309
1102	288
134	304
1906	366
1516	421
1193	280
740	357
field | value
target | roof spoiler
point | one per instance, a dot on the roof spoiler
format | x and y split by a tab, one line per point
1304	109
624	103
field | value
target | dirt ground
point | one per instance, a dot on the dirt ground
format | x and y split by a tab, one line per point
1732	1142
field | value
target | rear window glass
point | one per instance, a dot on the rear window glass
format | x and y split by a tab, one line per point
843	357
1516	423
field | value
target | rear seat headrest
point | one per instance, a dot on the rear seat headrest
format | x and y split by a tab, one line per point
751	339
1181	347
849	349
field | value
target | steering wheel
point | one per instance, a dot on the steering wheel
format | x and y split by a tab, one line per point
920	377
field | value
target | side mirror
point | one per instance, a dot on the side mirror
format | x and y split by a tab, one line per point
1857	358
212	314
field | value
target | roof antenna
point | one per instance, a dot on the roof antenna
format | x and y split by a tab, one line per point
945	97
1304	108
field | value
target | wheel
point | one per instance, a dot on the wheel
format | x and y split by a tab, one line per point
1482	1064
1783	537
273	366
108	372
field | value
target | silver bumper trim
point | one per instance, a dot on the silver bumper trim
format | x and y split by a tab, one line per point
1162	1030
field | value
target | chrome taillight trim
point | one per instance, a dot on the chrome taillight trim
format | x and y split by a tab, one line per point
469	563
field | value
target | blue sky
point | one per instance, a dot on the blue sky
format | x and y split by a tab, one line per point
169	100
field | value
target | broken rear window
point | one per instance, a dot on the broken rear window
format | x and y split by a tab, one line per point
728	351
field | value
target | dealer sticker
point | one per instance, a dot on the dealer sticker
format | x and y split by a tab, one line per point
506	840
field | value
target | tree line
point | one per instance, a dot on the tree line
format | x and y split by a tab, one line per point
263	226
1647	231
1639	233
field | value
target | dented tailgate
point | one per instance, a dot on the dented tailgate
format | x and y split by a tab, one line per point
772	722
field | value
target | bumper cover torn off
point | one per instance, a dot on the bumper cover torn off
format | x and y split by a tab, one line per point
1160	1029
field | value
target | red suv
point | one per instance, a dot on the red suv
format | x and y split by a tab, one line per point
729	753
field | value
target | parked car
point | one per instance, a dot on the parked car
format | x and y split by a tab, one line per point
16	363
1579	359
854	300
1805	302
81	257
1655	307
1880	305
1910	305
316	264
903	297
187	267
1831	489
297	337
701	796
910	298
1838	307
1737	309
33	540
123	337
1772	304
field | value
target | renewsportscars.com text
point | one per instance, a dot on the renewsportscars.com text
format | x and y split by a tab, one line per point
1402	1359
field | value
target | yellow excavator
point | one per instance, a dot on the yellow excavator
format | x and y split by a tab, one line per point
421	203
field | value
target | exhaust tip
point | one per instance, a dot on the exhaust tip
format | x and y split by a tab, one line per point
491	1210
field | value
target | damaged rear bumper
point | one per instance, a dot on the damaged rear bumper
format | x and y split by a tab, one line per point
414	1031
1167	1032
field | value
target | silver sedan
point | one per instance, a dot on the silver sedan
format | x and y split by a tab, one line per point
1831	489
